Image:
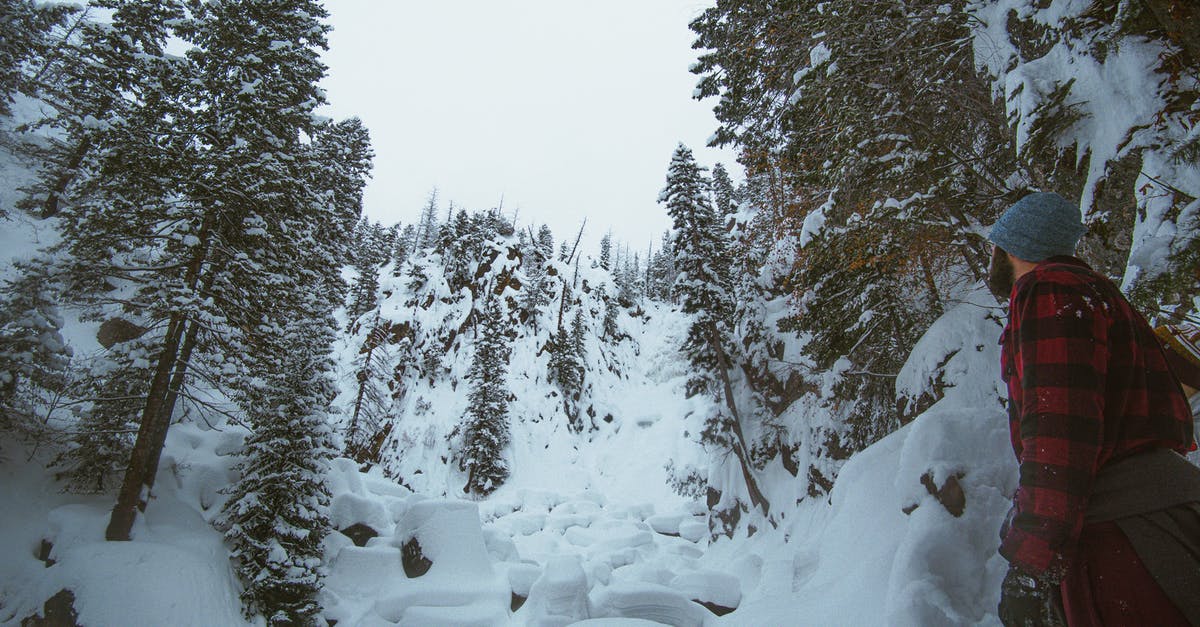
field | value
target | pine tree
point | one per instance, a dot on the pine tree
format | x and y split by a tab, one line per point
99	447
33	354
534	258
606	252
485	428
611	310
277	516
700	255
427	227
722	191
404	247
28	43
703	288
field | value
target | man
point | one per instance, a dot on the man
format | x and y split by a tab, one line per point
1106	511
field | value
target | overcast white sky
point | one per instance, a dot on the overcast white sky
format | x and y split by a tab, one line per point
567	108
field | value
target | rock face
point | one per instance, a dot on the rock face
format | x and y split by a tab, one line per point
117	330
58	611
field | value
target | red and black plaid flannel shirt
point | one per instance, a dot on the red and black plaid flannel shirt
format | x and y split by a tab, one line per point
1088	384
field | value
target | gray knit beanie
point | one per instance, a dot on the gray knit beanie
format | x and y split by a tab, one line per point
1040	225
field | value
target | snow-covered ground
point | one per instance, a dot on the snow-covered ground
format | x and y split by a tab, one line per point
584	534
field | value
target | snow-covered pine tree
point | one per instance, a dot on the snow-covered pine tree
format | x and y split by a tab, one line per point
33	355
703	288
277	514
373	250
722	191
405	244
29	38
538	252
606	252
611	309
98	448
700	256
427	227
276	517
661	273
485	429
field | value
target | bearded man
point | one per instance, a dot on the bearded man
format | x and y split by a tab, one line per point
1107	511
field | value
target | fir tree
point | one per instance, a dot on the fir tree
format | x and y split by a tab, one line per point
703	288
724	196
33	354
29	40
700	256
485	429
427	227
606	252
277	514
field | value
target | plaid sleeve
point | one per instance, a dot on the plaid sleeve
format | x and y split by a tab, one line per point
1061	359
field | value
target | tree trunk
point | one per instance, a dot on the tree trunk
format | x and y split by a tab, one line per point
131	495
740	448
168	409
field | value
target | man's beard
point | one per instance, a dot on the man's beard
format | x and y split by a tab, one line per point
1000	274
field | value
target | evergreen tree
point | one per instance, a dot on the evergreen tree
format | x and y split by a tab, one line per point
535	295
606	252
703	287
404	247
701	257
277	515
485	429
611	309
33	355
98	449
28	43
373	250
722	190
427	227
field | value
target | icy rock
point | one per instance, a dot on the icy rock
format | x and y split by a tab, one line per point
648	602
560	596
579	536
522	523
461	586
693	529
57	610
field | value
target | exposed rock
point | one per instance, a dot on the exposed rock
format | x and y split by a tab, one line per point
57	611
117	330
950	495
719	610
415	563
43	553
359	533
